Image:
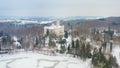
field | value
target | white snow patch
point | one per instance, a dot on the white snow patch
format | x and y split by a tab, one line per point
35	60
116	53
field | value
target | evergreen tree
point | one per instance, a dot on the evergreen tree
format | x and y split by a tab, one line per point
100	61
104	46
47	32
51	43
62	41
83	51
66	34
73	45
36	42
63	49
68	48
77	43
77	47
111	46
88	51
6	39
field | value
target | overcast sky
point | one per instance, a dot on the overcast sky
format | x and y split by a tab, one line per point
60	8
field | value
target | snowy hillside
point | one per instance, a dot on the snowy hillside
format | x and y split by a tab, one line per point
35	60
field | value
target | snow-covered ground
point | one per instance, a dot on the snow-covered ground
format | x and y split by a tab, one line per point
116	53
35	60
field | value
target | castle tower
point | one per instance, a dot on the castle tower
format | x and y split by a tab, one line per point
58	22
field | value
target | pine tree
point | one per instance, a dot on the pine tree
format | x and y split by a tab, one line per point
66	34
77	47
47	32
63	49
36	42
73	45
51	42
83	51
88	51
77	43
100	61
68	48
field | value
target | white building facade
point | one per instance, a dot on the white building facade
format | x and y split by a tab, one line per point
55	28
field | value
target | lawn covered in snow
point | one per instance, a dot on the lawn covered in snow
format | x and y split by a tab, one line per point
116	53
35	60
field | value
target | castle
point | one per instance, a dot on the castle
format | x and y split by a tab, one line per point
55	28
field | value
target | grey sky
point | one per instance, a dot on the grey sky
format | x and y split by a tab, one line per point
59	8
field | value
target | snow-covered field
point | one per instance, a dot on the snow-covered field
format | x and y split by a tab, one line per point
116	53
35	60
